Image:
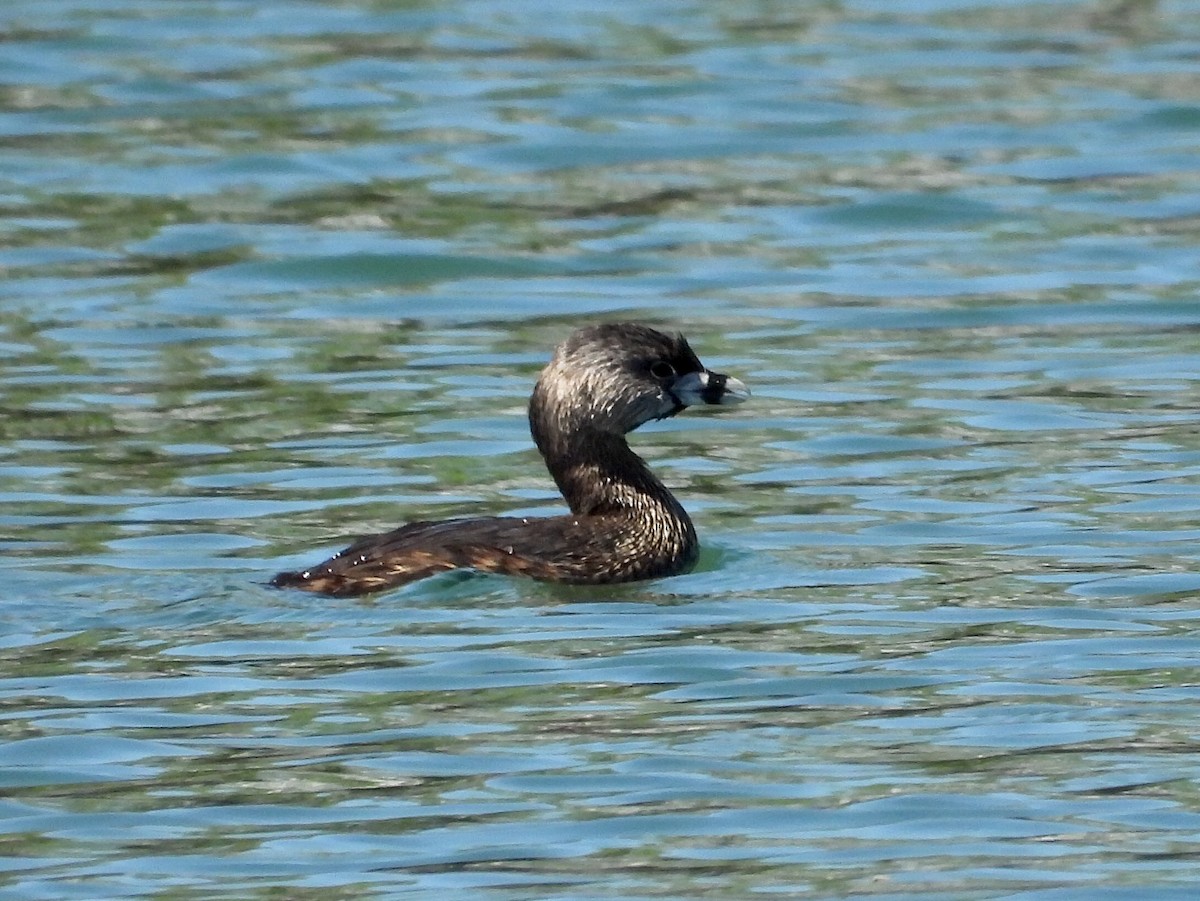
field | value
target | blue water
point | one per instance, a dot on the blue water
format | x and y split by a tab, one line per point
280	273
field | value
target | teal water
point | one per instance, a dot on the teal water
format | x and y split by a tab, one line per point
277	273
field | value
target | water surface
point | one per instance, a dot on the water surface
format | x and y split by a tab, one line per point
278	273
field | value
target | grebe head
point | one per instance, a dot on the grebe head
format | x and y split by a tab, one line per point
612	378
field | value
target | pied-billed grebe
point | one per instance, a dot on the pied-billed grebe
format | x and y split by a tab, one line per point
624	525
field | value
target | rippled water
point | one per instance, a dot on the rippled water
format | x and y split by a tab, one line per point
277	273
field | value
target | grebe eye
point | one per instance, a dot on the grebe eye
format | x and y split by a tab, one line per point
662	370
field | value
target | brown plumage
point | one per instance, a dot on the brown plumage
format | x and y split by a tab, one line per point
603	382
